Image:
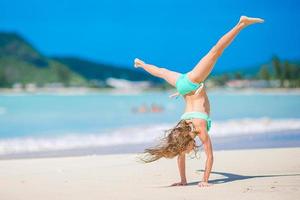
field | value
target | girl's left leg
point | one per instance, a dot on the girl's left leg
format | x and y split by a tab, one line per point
168	75
206	64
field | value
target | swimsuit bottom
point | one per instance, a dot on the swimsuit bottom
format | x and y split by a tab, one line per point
197	115
184	85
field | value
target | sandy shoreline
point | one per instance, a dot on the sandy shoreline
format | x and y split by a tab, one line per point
237	174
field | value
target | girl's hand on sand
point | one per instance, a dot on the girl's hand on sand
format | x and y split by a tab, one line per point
204	184
179	184
138	63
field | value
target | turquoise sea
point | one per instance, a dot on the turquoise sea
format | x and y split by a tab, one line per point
52	122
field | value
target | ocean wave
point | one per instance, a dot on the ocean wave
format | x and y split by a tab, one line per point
141	134
254	126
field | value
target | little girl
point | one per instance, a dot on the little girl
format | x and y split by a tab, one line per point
195	121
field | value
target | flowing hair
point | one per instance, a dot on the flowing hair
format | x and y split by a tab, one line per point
173	144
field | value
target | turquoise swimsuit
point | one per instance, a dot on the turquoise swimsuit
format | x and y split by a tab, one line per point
184	85
197	115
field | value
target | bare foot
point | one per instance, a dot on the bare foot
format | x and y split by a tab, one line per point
138	63
204	184
250	20
179	184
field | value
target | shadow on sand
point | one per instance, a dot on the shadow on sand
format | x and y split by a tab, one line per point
230	177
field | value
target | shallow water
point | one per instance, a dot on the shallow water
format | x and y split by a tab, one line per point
41	122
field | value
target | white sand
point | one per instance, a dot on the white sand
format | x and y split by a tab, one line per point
108	177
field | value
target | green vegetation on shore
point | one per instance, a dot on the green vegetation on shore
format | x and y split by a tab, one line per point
286	73
21	63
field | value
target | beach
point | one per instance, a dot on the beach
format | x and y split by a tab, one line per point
75	146
86	88
236	174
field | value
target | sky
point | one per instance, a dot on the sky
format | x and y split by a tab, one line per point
169	33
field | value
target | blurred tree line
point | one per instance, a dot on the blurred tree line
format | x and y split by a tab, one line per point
287	73
19	71
22	64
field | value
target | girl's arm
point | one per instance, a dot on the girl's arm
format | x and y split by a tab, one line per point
181	167
205	139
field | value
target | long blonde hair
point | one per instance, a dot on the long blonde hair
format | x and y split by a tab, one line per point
175	142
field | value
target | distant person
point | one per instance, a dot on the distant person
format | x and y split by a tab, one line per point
145	109
142	109
155	108
195	121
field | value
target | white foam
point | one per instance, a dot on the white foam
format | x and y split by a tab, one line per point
142	134
254	126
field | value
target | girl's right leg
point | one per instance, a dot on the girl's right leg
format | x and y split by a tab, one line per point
168	75
206	64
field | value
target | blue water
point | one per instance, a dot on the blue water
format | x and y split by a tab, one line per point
56	115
